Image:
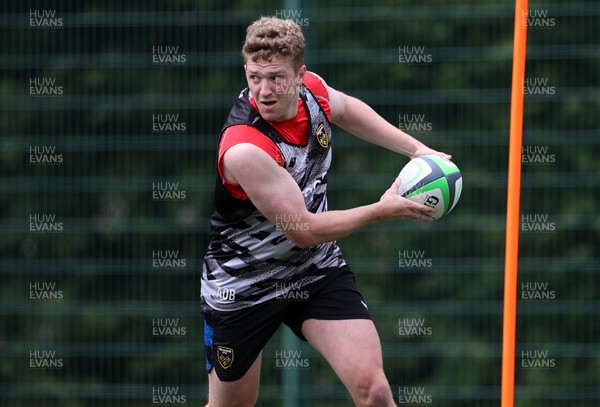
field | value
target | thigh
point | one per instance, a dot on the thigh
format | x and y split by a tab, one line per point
335	297
234	339
353	350
242	392
351	346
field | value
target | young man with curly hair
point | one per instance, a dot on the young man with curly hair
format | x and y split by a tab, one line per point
272	256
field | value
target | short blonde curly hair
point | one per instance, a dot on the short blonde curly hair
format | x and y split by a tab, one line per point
269	36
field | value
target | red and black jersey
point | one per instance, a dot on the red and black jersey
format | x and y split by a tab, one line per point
294	130
249	259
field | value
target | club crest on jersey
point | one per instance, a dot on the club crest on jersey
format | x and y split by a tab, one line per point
322	136
225	356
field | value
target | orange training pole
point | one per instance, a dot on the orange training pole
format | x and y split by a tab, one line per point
511	258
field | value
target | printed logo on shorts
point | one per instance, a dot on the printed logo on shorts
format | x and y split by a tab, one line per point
322	136
225	356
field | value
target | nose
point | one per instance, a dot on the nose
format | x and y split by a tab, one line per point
265	88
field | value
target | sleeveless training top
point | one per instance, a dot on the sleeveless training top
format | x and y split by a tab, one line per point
249	259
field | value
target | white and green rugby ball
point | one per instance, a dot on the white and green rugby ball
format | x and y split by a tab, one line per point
433	181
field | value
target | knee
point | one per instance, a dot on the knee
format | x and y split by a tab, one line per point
374	392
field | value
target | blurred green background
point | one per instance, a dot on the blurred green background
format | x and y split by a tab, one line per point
110	114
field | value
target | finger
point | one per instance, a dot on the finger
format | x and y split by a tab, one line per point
444	156
422	216
396	185
415	206
441	154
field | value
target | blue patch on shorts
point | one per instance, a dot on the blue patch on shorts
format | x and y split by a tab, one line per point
208	342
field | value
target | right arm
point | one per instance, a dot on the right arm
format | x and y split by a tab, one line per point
277	196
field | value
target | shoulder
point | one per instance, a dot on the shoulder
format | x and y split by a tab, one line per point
243	133
240	131
318	87
243	142
316	84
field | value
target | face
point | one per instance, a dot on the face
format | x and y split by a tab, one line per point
274	86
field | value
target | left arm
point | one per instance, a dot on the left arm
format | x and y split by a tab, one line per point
359	119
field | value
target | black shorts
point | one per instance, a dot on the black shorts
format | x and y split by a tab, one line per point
233	339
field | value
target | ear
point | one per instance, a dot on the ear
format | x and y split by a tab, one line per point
301	74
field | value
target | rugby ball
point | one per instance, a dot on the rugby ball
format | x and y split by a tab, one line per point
433	181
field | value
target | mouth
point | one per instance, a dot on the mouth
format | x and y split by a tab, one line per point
268	103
